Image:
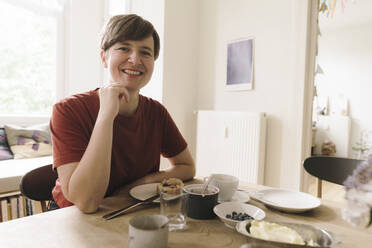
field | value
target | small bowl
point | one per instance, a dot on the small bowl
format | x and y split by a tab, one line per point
200	206
221	210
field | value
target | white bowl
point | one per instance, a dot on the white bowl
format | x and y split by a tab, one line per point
221	210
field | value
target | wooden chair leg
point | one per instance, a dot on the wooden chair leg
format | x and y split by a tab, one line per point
319	188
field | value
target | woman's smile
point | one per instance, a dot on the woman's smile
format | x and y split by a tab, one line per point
131	73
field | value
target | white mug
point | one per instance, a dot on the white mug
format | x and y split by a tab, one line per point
148	231
227	184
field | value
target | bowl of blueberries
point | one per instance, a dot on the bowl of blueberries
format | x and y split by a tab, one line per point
232	213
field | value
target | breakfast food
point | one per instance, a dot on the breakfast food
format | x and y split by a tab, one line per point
275	232
239	216
170	185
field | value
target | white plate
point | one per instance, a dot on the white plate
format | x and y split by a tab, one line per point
144	191
239	196
287	200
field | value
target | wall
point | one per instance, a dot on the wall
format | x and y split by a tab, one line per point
181	32
83	69
345	55
279	29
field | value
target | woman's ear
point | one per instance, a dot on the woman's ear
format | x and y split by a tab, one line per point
103	58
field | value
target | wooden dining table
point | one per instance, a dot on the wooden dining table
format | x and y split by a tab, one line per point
69	227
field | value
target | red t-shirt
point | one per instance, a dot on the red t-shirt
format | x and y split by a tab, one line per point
138	140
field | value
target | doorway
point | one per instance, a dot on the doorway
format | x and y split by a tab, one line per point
342	55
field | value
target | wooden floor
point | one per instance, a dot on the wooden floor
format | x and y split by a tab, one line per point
330	191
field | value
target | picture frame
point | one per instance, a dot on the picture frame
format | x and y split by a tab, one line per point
240	64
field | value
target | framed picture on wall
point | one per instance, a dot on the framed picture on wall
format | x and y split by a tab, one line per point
240	60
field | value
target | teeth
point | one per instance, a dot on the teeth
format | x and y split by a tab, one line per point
132	72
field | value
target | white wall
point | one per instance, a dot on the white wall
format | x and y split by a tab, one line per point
279	28
181	32
345	55
83	69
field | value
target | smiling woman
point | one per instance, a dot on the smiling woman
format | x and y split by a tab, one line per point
113	136
28	48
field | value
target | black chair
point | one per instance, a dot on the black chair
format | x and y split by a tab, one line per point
38	185
331	169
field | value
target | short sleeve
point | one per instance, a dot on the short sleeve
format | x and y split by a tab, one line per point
173	142
69	139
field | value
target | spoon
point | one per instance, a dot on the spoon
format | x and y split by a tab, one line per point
205	185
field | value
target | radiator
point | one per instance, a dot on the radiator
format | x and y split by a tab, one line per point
231	143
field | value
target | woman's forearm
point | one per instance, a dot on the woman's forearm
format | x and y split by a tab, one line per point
183	172
89	181
182	167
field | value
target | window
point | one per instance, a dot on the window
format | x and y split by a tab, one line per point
31	36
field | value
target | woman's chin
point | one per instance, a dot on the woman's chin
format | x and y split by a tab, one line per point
131	86
132	89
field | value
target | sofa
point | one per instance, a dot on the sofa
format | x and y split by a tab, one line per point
22	149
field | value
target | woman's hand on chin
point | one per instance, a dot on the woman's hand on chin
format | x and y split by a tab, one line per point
110	97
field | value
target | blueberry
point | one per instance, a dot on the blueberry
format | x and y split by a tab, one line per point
239	216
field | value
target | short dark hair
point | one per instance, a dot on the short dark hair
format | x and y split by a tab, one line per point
128	27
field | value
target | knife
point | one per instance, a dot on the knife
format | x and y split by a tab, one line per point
121	211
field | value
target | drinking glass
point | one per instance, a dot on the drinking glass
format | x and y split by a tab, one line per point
172	205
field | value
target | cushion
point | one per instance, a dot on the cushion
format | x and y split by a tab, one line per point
5	152
33	141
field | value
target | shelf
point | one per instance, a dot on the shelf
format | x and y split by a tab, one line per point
7	194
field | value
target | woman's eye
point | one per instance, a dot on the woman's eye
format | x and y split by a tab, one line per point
146	53
125	49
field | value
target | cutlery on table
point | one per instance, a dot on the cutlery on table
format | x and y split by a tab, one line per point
121	211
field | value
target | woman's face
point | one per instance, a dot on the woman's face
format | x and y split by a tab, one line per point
130	63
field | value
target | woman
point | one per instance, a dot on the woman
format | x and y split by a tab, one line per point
113	136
